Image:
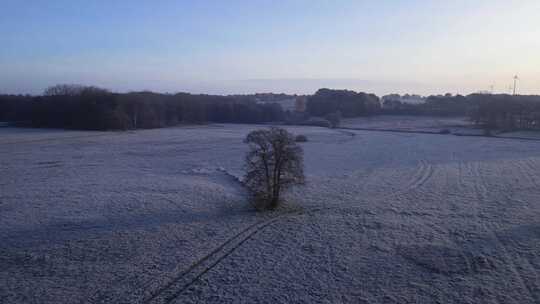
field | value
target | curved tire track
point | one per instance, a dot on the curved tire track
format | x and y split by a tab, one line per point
422	175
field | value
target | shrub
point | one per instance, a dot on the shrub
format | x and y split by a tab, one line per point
317	122
300	138
444	131
334	119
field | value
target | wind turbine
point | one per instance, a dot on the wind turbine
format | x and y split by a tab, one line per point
516	78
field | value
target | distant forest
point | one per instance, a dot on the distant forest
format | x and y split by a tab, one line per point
490	111
93	108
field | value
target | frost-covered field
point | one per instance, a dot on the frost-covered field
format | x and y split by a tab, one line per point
158	216
412	123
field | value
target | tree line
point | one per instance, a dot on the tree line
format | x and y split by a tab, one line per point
436	105
347	103
490	111
93	108
506	112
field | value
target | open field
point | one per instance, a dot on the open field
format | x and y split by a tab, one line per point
158	216
411	123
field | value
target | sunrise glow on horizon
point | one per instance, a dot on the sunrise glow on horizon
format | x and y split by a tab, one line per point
235	47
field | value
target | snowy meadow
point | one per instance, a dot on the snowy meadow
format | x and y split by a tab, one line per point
160	216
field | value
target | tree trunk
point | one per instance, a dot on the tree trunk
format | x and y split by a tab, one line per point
274	202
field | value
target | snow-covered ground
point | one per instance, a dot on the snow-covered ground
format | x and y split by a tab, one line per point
532	135
158	216
409	123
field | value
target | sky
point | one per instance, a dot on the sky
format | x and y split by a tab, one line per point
247	46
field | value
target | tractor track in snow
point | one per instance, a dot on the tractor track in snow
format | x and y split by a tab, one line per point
514	267
527	167
482	192
186	278
422	175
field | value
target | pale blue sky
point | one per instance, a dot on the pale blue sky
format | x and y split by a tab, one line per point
296	46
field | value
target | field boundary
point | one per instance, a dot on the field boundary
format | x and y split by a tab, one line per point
436	133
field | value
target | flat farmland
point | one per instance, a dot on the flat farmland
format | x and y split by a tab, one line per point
160	216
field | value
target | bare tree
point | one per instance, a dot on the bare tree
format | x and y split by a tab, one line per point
274	162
